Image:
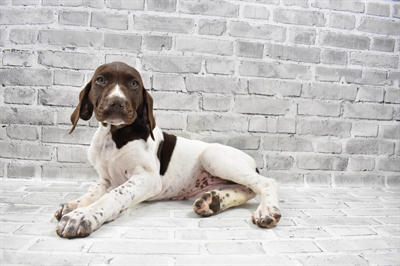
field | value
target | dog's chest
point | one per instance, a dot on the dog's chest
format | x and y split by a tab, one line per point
118	164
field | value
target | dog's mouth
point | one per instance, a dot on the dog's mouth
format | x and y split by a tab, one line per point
115	118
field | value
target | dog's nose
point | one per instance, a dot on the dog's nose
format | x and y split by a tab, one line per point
116	102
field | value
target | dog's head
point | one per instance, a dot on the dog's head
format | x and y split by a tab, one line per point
116	96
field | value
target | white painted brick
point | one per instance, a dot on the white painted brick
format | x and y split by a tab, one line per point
364	130
205	46
258	124
216	103
22	132
169	83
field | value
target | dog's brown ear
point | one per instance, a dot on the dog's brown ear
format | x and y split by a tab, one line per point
84	110
147	113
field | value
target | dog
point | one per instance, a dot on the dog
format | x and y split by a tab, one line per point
137	161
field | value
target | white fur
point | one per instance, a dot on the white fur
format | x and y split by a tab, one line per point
117	92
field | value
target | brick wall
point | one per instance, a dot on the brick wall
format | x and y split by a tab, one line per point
309	88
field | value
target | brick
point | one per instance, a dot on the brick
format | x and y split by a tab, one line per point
396	11
109	21
334	57
163	24
389	164
74	18
324	128
203	122
302	36
20	95
25	77
172	64
370	94
234	248
158	43
249	49
329	91
368	111
302	3
286	125
364	130
375	77
72	154
380	26
387	258
168	83
342	21
60	135
361	163
26	151
215	84
338	74
255	12
129	60
291	246
322	162
23	36
25	2
359	179
217	103
205	46
393	181
372	60
21	171
22	132
257	124
356	244
299	54
121	4
299	17
341	5
344	41
26	16
289	232
212	27
69	78
378	9
274	70
58	97
383	44
220	66
329	147
165	6
17	58
3	37
175	101
214	8
265	32
26	115
284	143
244	142
122	41
70	38
171	121
279	162
142	248
318	180
333	259
318	108
285	179
369	147
261	105
275	87
69	60
390	131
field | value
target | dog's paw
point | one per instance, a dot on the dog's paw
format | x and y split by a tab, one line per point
208	204
266	219
78	223
64	209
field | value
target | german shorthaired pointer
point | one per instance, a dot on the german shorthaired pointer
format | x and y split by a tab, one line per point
138	162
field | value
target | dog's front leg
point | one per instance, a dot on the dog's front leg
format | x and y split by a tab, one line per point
83	221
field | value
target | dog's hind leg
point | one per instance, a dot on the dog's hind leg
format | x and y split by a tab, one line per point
221	198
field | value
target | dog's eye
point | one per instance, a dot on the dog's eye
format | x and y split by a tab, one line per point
101	80
134	84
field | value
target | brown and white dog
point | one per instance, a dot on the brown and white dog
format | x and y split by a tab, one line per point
138	162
